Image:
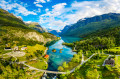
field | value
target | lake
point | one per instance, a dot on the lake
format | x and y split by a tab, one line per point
56	58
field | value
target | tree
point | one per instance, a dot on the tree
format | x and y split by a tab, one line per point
99	52
60	68
92	74
86	53
102	52
65	65
80	53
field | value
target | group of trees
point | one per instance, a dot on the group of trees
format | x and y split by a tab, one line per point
11	70
38	53
95	43
113	51
91	71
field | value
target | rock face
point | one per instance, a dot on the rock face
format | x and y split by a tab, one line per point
36	36
14	28
90	25
35	26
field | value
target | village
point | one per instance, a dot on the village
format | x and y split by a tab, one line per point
34	59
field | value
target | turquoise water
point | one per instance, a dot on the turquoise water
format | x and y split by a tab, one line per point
56	58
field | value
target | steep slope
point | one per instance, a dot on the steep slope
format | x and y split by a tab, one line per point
35	26
65	29
14	29
8	19
111	32
90	25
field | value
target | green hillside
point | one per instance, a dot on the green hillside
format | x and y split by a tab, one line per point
14	29
8	19
102	43
93	24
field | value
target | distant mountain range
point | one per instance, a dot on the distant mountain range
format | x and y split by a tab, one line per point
54	32
91	25
37	26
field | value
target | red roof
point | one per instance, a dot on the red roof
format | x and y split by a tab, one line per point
46	56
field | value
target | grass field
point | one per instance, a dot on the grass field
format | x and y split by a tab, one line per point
115	50
91	65
117	60
100	60
40	64
32	49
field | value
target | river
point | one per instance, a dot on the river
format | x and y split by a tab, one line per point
56	58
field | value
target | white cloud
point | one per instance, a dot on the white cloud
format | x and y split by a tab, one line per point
28	22
78	10
46	9
39	5
50	16
58	23
19	9
19	17
48	0
39	10
39	1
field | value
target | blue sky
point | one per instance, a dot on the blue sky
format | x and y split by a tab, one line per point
56	14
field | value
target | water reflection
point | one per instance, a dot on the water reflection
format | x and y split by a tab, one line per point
56	58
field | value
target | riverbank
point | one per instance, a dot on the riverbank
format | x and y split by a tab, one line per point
57	58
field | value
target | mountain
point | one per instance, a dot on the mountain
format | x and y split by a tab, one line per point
35	26
13	28
113	32
90	25
54	32
8	19
65	29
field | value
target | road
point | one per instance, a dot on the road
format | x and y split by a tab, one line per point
109	55
56	72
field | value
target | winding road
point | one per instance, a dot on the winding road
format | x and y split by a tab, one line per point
56	72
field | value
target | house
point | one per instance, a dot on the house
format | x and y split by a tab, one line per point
46	56
16	48
110	61
24	48
7	48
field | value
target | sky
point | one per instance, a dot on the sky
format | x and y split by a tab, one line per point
56	14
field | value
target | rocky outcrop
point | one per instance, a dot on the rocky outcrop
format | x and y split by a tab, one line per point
36	26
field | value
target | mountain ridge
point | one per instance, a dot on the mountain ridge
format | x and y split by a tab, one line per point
35	26
90	25
13	28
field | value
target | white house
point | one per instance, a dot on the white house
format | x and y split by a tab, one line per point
24	48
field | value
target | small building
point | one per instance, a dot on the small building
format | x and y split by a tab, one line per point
7	48
110	61
46	56
16	48
24	48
